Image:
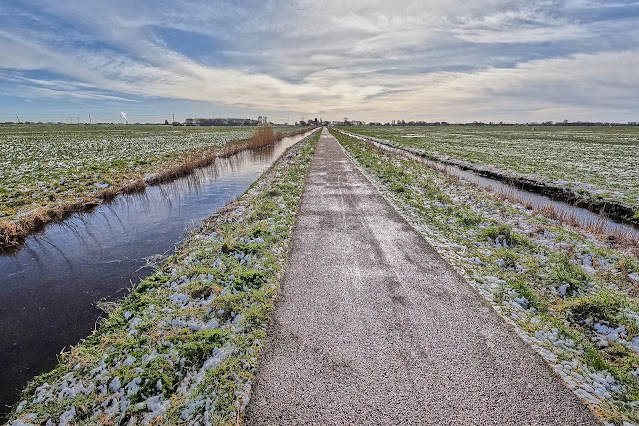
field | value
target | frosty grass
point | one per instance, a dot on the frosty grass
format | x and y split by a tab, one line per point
43	165
182	348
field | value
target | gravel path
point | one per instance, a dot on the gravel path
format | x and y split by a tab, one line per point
372	326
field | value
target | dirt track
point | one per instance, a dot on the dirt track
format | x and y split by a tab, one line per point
372	326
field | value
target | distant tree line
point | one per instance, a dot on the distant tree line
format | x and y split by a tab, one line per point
313	122
220	122
480	123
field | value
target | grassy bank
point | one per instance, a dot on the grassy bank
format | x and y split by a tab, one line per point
183	346
572	296
594	164
49	172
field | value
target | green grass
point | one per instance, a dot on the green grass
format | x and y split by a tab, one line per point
503	232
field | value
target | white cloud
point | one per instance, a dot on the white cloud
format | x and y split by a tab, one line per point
446	60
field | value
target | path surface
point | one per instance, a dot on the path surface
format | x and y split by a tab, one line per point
373	327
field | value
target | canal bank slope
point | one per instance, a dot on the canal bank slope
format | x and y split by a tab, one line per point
182	347
373	326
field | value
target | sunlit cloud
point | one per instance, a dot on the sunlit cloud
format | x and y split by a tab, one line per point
490	60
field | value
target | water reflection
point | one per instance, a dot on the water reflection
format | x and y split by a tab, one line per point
49	286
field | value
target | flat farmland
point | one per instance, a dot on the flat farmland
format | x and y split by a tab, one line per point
600	161
44	165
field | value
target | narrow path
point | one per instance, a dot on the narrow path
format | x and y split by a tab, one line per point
372	326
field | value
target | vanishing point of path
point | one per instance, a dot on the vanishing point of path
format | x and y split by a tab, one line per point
372	326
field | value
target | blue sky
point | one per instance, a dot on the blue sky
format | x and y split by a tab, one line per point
448	60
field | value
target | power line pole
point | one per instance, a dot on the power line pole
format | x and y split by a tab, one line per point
89	118
18	118
173	117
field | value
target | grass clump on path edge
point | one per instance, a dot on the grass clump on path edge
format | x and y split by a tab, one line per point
572	297
182	348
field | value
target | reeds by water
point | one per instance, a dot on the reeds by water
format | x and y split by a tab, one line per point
12	233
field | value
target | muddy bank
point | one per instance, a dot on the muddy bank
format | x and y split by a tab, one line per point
596	204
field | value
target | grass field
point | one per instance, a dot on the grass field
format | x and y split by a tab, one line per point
40	164
602	161
48	171
572	296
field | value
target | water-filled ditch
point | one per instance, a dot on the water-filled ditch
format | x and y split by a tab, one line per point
582	216
50	285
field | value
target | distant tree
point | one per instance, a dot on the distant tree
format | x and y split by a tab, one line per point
166	122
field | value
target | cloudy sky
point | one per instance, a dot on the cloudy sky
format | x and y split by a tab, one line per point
451	60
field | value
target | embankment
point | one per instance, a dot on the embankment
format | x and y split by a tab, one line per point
182	347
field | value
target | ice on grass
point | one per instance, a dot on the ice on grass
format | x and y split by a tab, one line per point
66	417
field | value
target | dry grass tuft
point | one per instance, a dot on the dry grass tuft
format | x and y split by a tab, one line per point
132	187
596	226
264	136
570	218
108	193
506	194
621	238
10	233
187	165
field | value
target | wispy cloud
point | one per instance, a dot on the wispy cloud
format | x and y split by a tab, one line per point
451	60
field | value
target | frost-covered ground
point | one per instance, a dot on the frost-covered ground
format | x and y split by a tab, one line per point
572	296
44	164
182	348
599	161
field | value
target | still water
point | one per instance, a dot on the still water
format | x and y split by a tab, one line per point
50	285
